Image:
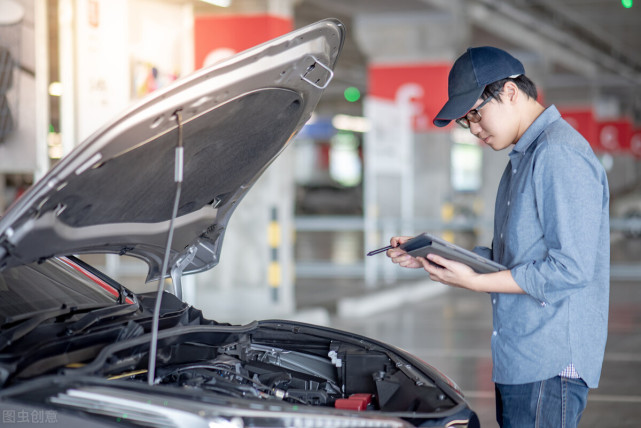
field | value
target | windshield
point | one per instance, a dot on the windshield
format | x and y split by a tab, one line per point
37	287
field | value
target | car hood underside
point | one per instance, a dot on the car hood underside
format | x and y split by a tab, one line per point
206	138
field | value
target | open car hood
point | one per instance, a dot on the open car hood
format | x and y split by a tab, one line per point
115	192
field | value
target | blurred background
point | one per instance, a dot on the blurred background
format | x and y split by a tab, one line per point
368	165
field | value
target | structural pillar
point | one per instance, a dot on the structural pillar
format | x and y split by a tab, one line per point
255	277
407	158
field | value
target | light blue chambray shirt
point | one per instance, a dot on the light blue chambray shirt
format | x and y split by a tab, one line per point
551	229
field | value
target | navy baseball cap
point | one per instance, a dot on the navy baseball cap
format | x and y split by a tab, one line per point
472	71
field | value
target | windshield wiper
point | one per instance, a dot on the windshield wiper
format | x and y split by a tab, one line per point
101	314
11	335
94	315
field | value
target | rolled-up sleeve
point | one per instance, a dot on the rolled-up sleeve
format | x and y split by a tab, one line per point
569	195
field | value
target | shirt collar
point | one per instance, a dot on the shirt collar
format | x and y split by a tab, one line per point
531	134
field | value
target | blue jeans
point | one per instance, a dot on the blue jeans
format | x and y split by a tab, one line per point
556	403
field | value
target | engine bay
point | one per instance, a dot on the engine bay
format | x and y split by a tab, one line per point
269	365
346	377
266	363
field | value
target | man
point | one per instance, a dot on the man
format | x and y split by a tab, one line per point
551	229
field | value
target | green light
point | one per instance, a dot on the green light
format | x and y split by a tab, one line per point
627	3
352	94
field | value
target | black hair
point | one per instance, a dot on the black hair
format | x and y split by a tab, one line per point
521	81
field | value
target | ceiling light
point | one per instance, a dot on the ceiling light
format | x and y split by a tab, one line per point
55	89
221	3
351	123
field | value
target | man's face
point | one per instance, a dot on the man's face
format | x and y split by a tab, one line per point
496	125
498	122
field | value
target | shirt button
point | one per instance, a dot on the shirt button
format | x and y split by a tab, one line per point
508	203
501	236
494	333
514	171
494	301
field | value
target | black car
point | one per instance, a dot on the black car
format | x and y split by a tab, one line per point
159	183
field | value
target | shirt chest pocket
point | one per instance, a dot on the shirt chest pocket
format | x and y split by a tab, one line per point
521	197
523	226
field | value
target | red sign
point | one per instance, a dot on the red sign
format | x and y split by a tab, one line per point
219	36
614	135
423	85
582	119
635	143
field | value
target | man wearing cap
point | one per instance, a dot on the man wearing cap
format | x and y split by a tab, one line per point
551	229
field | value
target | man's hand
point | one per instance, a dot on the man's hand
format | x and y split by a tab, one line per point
459	275
448	271
399	256
453	273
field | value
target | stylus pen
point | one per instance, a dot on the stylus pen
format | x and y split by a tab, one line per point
380	250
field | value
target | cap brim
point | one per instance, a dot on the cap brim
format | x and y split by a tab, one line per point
457	106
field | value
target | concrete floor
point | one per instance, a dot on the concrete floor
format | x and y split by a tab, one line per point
451	330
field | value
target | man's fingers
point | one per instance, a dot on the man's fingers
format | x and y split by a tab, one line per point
448	267
405	260
441	261
428	265
395	241
401	257
411	262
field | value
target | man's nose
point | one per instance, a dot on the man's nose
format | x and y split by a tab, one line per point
475	129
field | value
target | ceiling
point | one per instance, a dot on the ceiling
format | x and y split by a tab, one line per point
591	49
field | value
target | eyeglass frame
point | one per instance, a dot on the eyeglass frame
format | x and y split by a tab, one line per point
465	121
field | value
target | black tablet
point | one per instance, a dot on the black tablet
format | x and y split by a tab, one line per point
424	244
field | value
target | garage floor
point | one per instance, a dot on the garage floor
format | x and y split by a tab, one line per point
451	331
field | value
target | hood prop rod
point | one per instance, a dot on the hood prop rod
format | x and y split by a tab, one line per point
178	179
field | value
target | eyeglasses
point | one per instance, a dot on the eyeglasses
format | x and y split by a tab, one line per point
473	116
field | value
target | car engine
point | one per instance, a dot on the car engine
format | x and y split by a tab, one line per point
347	377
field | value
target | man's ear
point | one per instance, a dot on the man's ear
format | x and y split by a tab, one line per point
511	91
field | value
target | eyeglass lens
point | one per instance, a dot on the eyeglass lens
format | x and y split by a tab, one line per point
473	116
